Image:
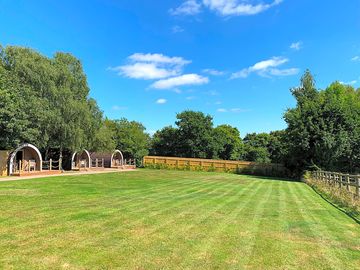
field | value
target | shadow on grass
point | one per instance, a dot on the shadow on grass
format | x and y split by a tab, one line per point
350	213
271	178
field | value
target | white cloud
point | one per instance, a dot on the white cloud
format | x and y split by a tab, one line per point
218	103
151	66
283	72
118	108
158	58
161	101
186	79
349	83
213	72
146	71
212	93
355	58
296	45
190	7
222	110
238	7
177	29
266	68
190	98
232	110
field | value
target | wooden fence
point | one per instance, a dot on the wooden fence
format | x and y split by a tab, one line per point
270	169
51	165
349	182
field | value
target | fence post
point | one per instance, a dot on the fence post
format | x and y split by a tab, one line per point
50	164
348	183
60	164
358	185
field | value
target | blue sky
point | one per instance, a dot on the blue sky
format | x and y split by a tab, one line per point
233	59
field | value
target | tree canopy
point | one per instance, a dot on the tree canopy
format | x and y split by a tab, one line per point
324	127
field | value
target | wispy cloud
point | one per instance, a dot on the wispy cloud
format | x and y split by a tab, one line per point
232	110
189	7
355	58
118	108
190	98
238	7
151	66
213	72
222	110
296	45
267	68
212	93
186	79
349	83
161	101
177	29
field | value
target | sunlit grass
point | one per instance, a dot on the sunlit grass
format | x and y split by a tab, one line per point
153	219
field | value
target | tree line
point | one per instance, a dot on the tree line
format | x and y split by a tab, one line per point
323	132
45	101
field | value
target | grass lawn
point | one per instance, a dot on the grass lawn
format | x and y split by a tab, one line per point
154	219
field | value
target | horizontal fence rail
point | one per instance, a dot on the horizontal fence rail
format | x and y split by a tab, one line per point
351	183
214	165
51	165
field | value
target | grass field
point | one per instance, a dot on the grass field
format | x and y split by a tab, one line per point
152	219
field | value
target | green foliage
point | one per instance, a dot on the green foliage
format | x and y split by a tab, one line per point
195	134
227	143
46	101
324	128
165	142
130	137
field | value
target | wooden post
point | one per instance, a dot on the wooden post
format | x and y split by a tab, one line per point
60	164
348	183
96	162
50	165
102	164
20	166
358	185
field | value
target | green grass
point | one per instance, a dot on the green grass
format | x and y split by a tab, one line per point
154	219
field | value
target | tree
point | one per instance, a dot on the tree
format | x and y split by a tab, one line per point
227	143
130	137
324	127
277	146
46	101
256	147
165	142
195	134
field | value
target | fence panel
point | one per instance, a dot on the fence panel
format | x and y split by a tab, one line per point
216	165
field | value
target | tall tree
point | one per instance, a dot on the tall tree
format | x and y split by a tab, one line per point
195	134
130	137
324	128
227	143
165	142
